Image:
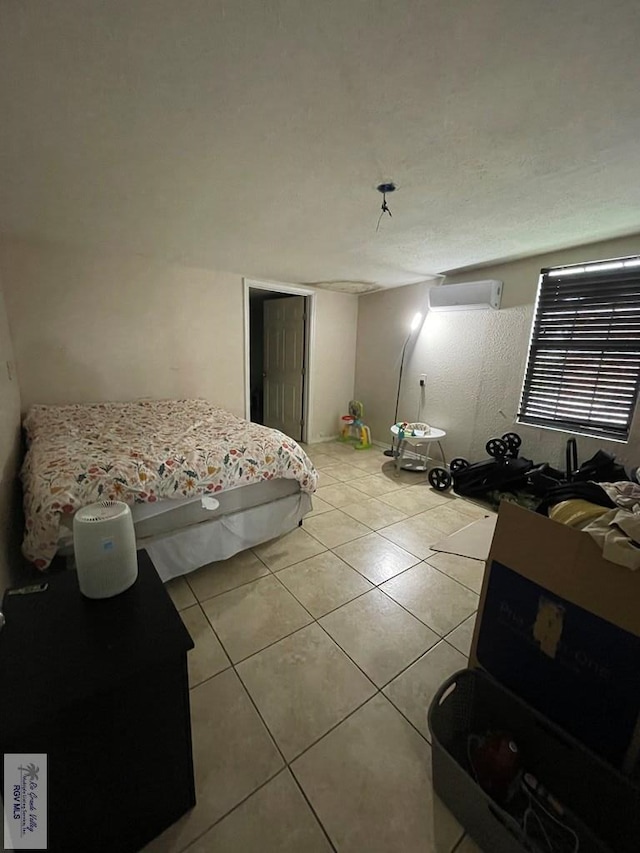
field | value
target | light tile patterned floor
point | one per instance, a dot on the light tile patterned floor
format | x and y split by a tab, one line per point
316	658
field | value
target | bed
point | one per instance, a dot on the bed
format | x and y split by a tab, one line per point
202	483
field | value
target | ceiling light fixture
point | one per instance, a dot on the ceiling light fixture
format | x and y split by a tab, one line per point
384	208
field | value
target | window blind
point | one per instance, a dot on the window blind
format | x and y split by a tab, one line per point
583	370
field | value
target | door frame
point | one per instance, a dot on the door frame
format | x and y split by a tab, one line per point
309	344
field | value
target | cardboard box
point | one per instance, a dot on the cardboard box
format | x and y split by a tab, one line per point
560	627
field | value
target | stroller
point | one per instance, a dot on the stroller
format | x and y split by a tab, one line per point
552	487
600	468
506	471
503	470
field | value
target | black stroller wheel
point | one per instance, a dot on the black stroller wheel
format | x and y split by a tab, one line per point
497	448
440	479
513	441
458	464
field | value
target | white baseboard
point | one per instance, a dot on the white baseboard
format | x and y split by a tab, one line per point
408	454
380	443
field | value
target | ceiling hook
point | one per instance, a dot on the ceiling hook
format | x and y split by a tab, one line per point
384	208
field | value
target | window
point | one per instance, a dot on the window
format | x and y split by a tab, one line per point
583	370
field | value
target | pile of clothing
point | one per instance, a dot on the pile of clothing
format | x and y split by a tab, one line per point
608	512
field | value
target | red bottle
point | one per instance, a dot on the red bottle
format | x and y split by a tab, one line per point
495	759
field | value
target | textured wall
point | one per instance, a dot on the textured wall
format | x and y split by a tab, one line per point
474	361
89	326
10	525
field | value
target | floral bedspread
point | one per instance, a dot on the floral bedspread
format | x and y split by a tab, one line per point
141	452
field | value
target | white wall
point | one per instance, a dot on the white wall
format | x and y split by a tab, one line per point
333	364
90	327
10	522
383	322
474	361
93	326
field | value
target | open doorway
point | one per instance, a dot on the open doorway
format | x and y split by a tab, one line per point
278	346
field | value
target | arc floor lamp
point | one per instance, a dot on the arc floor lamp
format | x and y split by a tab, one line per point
415	325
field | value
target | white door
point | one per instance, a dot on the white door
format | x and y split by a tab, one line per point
284	322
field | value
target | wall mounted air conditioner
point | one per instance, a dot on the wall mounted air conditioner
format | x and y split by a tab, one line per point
467	296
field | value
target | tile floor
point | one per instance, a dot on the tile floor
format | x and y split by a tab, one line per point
316	656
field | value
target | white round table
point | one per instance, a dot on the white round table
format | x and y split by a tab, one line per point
419	447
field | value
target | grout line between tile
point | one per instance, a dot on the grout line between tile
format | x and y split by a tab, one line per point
455	648
317	622
426	560
283	769
209	677
333	609
377	690
430	627
262	719
339	544
226	814
466	586
404	716
409	665
448	634
268	646
260	558
350	658
440	639
314	619
399	672
231	589
341	649
225	652
404	547
335	726
381	495
315	814
288	763
186	577
282	568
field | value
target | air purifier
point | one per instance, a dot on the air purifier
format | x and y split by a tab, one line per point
104	543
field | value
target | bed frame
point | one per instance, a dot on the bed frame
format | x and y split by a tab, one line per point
181	536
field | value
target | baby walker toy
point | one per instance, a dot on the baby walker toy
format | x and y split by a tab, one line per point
354	430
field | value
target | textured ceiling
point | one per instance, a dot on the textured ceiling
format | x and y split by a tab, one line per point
249	135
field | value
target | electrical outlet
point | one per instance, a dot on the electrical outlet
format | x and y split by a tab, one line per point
423	379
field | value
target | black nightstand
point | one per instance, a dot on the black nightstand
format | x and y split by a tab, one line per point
102	688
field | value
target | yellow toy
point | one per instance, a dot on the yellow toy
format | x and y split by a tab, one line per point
353	429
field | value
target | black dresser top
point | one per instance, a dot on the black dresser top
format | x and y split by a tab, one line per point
58	646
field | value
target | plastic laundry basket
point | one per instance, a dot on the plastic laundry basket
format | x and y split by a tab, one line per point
471	702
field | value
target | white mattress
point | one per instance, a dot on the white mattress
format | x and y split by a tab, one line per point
164	517
167	516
